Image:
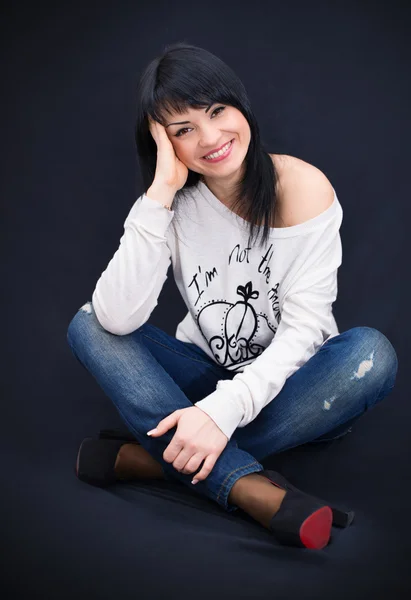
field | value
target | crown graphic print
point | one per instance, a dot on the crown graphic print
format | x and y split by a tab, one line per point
235	332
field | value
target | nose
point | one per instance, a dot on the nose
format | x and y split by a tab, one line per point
209	134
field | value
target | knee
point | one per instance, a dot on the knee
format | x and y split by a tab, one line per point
376	357
82	323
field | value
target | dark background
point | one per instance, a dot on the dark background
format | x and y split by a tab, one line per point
330	84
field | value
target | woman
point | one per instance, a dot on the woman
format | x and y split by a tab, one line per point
257	365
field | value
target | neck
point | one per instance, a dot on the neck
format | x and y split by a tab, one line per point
223	189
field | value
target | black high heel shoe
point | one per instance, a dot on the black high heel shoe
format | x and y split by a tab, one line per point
340	518
301	520
96	460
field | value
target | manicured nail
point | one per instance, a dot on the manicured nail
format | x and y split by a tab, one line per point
195	481
151	431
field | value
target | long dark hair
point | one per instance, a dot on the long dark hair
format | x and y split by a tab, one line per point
188	76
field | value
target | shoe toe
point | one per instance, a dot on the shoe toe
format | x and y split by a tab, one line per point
96	460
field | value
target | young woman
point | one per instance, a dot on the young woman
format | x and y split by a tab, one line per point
258	365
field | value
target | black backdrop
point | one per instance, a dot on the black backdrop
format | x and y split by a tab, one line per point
330	84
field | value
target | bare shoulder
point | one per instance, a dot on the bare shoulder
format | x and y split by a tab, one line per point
304	191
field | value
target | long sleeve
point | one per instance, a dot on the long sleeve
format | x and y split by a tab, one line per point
127	291
305	324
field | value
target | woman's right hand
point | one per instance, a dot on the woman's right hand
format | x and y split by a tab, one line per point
170	170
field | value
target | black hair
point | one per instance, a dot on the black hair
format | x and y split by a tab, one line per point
188	76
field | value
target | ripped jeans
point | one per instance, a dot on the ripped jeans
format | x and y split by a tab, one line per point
149	374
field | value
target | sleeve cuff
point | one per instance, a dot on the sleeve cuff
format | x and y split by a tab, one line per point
224	412
150	215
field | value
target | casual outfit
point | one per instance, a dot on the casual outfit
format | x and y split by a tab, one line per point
259	349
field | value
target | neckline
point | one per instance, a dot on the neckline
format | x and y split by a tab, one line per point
275	232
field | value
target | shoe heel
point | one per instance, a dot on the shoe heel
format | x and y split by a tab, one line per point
341	518
302	521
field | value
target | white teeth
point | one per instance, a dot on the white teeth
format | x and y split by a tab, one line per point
215	154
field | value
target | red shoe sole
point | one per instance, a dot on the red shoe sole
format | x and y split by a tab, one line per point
315	532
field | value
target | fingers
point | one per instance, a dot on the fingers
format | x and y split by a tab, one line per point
155	126
165	424
209	463
182	466
152	127
192	465
173	451
158	131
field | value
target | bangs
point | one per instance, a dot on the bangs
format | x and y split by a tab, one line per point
185	88
169	103
166	105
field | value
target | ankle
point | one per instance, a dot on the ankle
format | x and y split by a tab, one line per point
257	497
244	486
134	461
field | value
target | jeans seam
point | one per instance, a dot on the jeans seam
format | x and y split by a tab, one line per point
231	473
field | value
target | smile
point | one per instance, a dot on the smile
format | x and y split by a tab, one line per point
223	153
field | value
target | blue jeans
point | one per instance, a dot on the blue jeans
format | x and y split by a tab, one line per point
149	374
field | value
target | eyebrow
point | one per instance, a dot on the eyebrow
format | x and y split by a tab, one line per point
185	122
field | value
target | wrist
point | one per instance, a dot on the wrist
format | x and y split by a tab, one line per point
161	193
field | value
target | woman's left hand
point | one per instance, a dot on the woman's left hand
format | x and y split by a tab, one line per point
197	439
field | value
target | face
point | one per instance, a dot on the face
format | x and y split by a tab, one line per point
206	130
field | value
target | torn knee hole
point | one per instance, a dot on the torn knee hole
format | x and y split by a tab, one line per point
86	307
364	367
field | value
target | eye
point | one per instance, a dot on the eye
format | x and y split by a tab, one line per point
179	134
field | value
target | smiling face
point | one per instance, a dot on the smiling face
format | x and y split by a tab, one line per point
205	130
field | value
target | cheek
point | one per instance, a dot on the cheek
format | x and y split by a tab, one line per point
244	131
244	125
239	126
184	152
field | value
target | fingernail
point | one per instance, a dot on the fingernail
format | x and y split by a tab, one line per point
195	481
152	431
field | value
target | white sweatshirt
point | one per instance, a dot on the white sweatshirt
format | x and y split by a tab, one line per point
260	312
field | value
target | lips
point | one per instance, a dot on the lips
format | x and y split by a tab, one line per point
217	149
